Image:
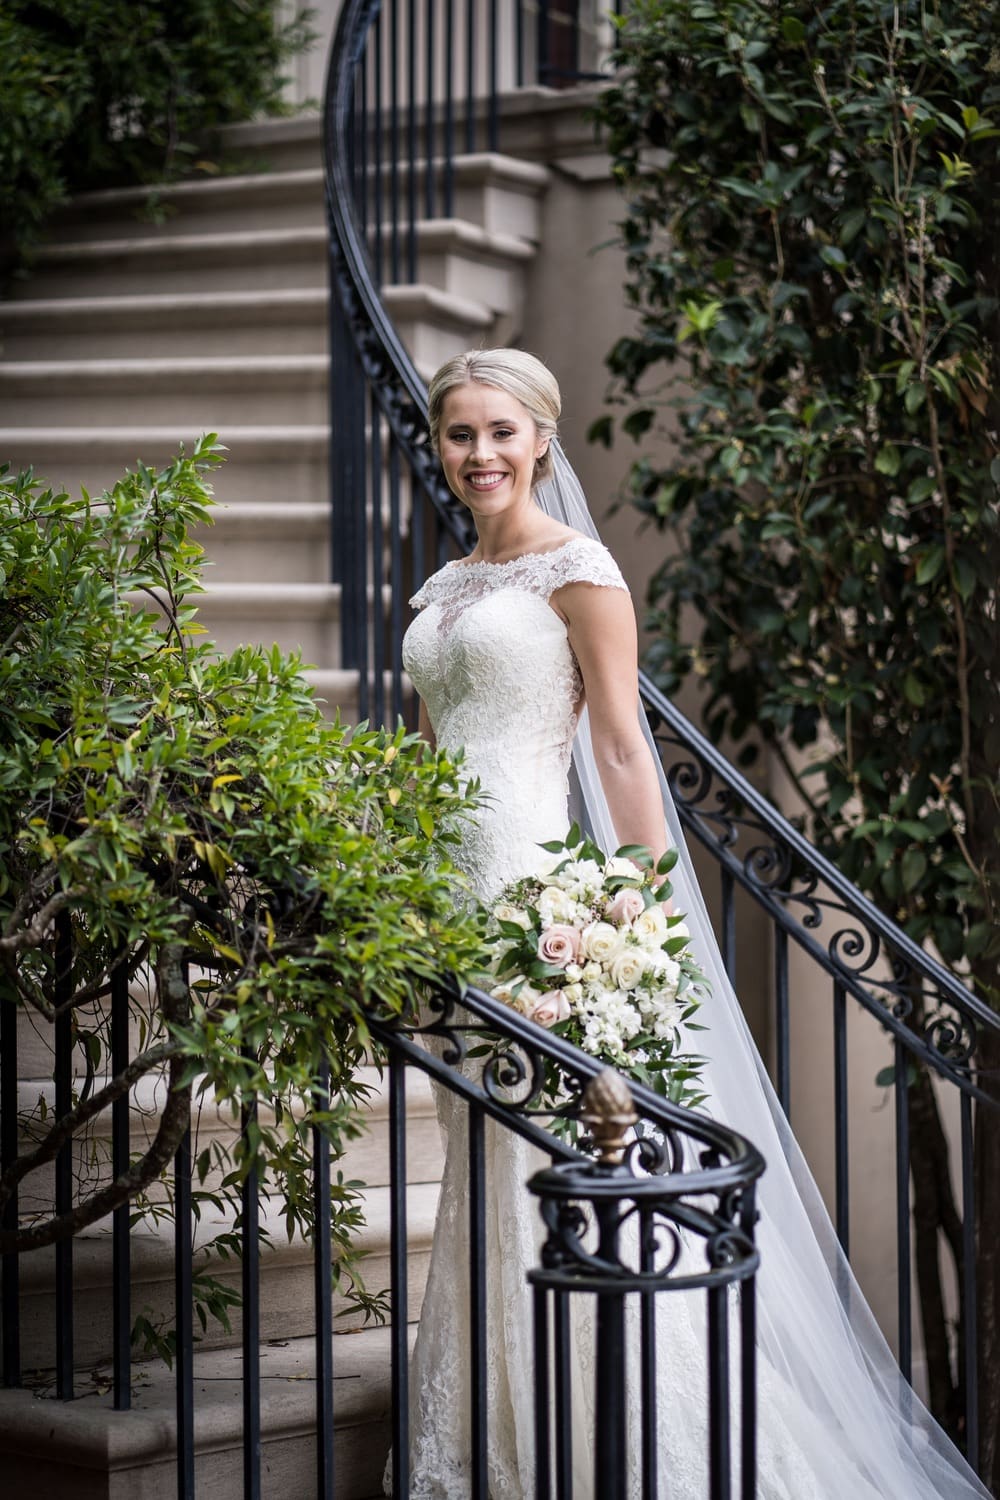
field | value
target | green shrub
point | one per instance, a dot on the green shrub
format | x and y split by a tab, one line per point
266	877
99	92
813	251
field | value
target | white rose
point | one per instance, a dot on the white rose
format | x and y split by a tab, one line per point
628	968
573	992
592	973
504	993
526	999
601	942
678	929
507	913
650	927
620	866
574	972
555	905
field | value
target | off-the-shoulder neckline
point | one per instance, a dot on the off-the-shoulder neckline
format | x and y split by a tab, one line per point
506	562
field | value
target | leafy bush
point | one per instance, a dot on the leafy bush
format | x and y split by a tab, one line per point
813	247
98	92
264	877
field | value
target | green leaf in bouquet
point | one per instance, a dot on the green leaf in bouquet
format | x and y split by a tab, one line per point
554	846
666	862
639	853
674	945
511	929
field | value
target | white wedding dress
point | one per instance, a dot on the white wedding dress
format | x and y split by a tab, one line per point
491	660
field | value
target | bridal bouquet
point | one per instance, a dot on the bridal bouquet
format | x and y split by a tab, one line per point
586	948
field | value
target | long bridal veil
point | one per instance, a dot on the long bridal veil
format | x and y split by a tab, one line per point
868	1430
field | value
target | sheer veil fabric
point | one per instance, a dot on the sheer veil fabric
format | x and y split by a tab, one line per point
867	1432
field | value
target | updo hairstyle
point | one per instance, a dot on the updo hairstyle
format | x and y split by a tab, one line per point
520	374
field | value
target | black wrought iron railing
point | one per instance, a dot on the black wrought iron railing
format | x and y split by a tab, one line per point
684	1176
396	521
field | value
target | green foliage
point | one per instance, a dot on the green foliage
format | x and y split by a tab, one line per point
813	245
266	877
97	92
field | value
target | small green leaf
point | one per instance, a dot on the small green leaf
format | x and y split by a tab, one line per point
930	564
914	868
887	460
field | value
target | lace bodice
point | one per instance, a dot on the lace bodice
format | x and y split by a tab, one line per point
492	661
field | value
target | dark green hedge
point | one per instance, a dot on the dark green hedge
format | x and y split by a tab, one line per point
99	92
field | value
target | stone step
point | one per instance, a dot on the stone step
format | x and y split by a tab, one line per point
259	200
464	260
297	617
264	464
273	145
287	1298
278	320
458	257
239	260
500	193
431	323
86	1449
201	392
434	325
215	1126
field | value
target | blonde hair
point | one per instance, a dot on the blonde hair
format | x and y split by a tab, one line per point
515	371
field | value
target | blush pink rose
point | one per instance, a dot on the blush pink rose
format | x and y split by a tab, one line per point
559	945
626	906
551	1008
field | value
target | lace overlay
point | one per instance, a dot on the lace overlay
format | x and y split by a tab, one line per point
492	662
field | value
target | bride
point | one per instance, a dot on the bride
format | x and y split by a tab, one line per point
525	655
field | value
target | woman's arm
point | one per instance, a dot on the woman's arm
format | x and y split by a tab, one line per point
602	634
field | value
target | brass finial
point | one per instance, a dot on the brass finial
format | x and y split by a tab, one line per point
609	1114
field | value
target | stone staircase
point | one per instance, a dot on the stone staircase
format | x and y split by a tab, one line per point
134	336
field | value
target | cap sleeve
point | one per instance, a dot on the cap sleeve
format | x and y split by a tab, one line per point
584	560
429	591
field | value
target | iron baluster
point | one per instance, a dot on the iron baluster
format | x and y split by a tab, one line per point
184	1320
398	1300
250	1280
429	132
901	1093
728	939
782	1021
478	1332
647	1333
470	75
10	1264
121	1252
564	1398
720	1461
543	1449
840	1125
64	1160
411	126
969	1324
323	1292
